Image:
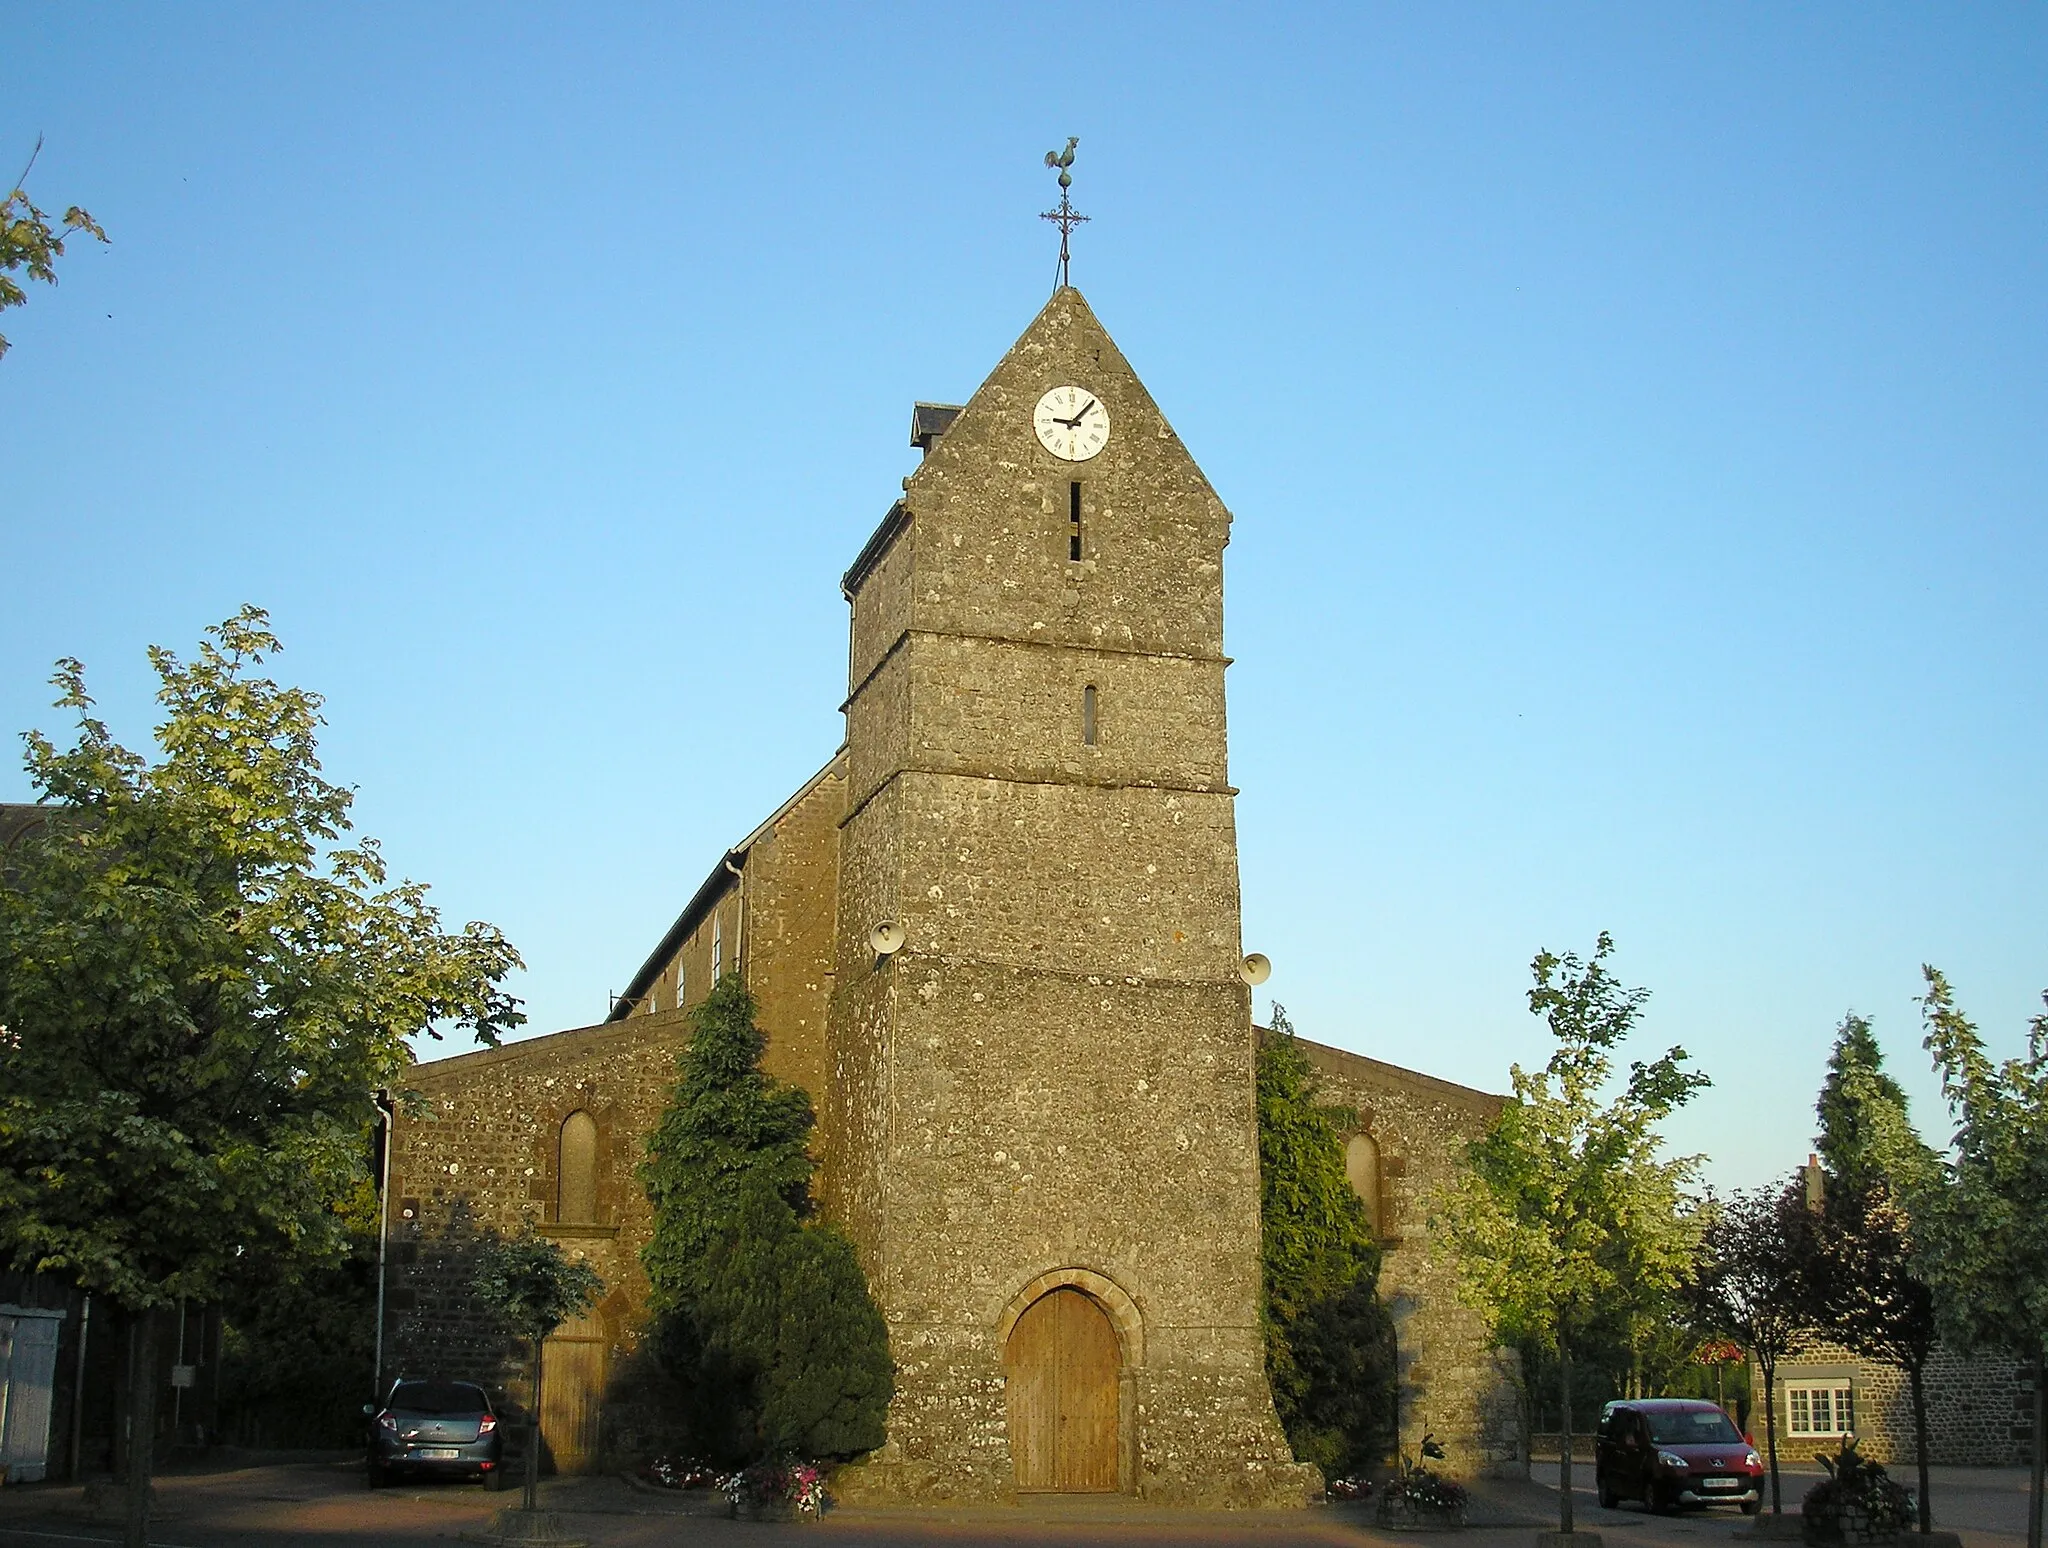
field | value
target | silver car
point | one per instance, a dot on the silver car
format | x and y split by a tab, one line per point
430	1427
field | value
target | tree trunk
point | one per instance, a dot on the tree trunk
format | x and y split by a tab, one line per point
532	1499
124	1400
1914	1374
2040	1451
1770	1370
1564	1442
141	1431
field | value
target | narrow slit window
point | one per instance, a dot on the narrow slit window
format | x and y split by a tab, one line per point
1088	715
1074	529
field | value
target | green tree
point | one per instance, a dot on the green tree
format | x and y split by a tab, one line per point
1565	1209
201	988
1329	1341
1985	1248
1878	1172
1867	1139
1755	1283
29	242
535	1287
762	1311
299	1337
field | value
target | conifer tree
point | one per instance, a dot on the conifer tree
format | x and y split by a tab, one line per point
762	1311
1329	1341
1878	1173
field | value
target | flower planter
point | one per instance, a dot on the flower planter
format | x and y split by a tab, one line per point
1850	1527
1398	1514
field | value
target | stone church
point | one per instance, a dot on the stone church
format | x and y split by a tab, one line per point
996	937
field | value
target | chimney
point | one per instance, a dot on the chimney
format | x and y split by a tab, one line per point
1816	1192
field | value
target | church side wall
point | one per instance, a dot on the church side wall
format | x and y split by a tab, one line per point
704	955
1453	1380
790	888
479	1157
482	1153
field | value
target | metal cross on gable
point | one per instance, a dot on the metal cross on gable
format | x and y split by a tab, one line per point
1066	217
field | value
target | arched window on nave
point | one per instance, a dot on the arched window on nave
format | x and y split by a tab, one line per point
576	1170
1362	1166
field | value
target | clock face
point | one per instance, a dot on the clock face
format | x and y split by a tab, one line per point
1071	423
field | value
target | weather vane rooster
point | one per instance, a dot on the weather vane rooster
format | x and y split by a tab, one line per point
1065	217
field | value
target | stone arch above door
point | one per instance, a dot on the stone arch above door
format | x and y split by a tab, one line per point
1114	1300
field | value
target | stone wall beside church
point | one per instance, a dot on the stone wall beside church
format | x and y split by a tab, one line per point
1453	1380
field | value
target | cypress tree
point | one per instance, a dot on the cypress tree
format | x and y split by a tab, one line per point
1329	1341
761	1311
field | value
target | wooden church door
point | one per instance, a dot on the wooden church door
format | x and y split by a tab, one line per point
572	1372
1063	1365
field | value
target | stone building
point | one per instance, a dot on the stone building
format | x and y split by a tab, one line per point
996	938
1980	1408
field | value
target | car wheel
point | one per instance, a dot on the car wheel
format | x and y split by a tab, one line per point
376	1476
1608	1498
1751	1507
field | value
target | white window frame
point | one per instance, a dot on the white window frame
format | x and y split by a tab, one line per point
1839	1393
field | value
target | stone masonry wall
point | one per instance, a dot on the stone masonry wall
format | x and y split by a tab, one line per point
790	886
1979	1408
1453	1379
478	1155
1051	1084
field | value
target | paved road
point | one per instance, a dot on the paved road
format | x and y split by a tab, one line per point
325	1504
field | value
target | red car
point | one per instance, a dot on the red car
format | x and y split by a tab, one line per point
1669	1452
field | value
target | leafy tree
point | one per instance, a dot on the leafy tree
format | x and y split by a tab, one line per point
1565	1208
535	1287
28	240
1986	1247
762	1311
201	988
1867	1282
1329	1341
1755	1283
298	1338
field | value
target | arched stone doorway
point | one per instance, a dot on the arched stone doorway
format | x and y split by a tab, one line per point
1064	1367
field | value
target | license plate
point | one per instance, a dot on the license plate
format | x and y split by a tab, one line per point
439	1453
1720	1483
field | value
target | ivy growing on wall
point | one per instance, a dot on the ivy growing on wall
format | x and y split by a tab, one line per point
1329	1341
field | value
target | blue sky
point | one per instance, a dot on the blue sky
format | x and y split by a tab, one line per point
1633	416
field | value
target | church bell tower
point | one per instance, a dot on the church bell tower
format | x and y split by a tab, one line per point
1041	1083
